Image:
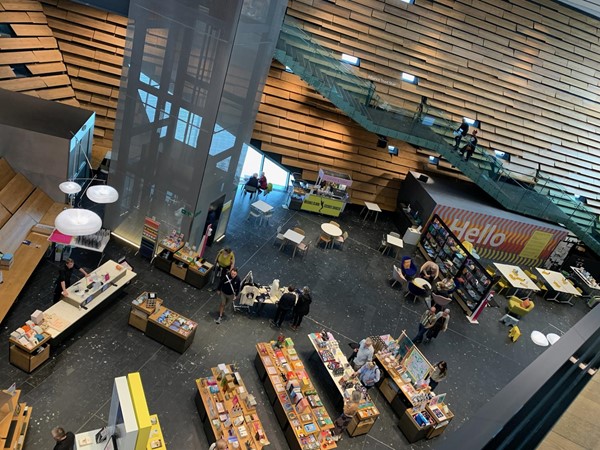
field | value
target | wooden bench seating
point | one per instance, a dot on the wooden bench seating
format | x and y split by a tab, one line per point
26	213
15	192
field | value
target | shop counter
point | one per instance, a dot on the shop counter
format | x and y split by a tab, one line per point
323	204
297	406
28	351
171	329
228	411
339	372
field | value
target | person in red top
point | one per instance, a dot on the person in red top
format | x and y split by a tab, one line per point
262	182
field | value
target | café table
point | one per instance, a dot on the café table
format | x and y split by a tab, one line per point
516	277
416	287
395	242
331	230
263	208
558	283
371	208
293	237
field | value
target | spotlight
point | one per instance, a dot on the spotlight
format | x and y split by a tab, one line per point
382	141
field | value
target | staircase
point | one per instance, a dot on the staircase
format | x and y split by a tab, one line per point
430	130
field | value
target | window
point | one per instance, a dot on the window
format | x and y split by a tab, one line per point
434	160
20	70
502	155
353	60
6	30
409	78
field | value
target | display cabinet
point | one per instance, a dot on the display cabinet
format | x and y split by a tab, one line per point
440	245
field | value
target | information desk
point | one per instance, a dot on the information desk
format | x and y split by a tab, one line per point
407	401
228	411
297	406
184	264
67	312
337	367
171	329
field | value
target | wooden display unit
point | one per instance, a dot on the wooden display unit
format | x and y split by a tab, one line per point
183	263
228	411
171	329
29	358
304	421
140	311
14	421
329	352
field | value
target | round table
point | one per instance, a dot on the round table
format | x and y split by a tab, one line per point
331	230
421	283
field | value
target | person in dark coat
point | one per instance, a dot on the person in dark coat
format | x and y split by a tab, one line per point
65	440
302	308
253	181
441	324
286	303
65	278
460	133
470	146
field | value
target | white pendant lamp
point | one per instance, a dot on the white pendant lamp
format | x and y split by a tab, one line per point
69	187
102	194
78	222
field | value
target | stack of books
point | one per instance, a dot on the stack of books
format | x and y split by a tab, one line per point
6	260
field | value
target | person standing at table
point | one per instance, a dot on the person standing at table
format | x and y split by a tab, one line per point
441	324
229	288
439	372
369	374
302	308
65	440
65	278
219	445
362	354
286	303
350	409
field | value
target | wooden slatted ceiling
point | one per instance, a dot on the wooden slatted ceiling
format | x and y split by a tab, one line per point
92	44
34	47
526	70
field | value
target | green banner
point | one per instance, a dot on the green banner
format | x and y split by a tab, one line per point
323	205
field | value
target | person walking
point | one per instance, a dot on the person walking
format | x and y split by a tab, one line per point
350	409
426	322
470	146
439	372
460	133
441	324
65	278
65	440
229	288
224	261
369	374
302	308
363	353
286	303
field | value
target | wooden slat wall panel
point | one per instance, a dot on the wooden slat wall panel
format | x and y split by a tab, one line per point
527	70
34	46
92	43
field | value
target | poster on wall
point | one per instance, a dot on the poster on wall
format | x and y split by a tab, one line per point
502	239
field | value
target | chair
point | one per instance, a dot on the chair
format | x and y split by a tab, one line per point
543	288
326	239
490	270
439	301
299	231
255	214
267	216
397	276
334	223
341	240
530	274
303	248
415	291
279	239
515	308
393	233
384	245
514	333
268	190
250	190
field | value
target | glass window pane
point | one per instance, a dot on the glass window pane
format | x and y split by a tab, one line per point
251	163
275	174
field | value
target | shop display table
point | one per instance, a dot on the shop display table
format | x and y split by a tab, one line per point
83	297
398	358
339	372
14	420
171	329
516	277
141	309
558	283
183	263
296	404
228	411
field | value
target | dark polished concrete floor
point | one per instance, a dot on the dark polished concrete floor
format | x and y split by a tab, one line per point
352	298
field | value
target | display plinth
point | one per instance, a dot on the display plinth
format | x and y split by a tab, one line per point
171	329
29	358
